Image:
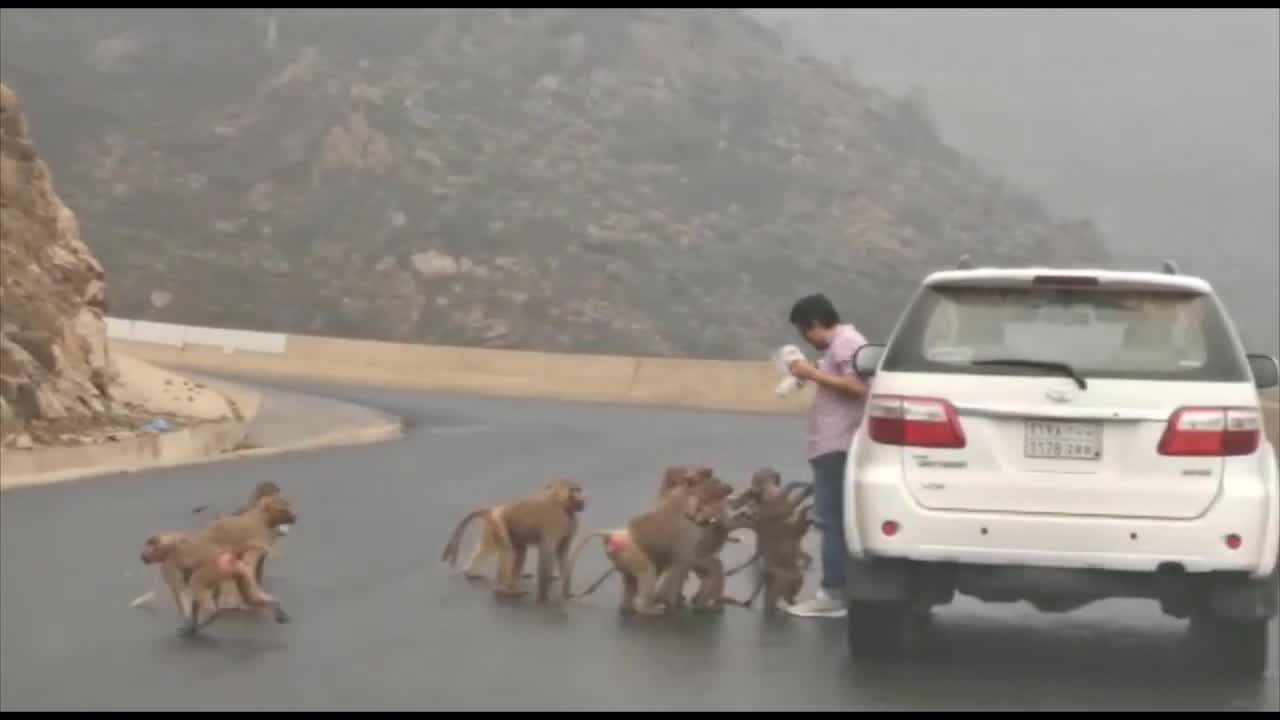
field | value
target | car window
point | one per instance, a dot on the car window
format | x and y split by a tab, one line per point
1099	332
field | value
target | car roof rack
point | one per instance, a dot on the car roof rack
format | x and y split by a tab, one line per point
1170	267
965	263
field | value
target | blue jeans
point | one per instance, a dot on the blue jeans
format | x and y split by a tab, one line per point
828	505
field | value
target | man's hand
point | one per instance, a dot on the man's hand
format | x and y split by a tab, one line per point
803	370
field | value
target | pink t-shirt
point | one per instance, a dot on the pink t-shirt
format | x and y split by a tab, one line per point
835	417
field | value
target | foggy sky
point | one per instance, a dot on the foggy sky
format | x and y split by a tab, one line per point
1161	126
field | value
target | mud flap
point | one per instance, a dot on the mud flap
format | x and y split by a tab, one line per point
1236	597
878	580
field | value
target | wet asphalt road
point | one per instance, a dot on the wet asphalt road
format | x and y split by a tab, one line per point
380	624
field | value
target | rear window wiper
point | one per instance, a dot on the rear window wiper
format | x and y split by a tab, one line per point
1049	364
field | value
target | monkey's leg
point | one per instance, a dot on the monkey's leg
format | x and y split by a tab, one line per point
646	586
711	593
629	589
512	562
490	543
259	567
479	555
791	587
771	593
562	559
230	594
759	586
546	556
197	598
254	596
671	586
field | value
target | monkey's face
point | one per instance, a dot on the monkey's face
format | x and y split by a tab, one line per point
711	514
156	548
266	489
570	496
278	511
765	478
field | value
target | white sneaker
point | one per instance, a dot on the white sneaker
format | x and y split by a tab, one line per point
822	605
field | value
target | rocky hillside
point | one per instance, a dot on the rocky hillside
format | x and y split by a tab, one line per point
619	181
53	351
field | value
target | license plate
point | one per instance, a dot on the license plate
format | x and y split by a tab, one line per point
1054	440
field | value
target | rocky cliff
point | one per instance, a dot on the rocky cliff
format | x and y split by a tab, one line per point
58	382
53	352
618	181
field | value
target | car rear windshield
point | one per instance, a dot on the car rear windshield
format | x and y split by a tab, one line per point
1103	333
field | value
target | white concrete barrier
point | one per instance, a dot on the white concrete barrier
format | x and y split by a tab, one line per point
174	335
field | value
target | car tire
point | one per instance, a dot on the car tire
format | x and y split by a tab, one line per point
1230	648
875	629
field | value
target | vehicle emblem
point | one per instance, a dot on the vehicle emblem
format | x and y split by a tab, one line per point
1060	395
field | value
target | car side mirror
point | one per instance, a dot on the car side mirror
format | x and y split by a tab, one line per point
1266	372
867	359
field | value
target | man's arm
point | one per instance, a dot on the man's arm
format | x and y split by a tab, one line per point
848	385
844	380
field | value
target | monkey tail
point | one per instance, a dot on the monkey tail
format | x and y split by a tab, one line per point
450	554
566	582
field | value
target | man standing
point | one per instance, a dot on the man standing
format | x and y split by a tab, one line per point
834	418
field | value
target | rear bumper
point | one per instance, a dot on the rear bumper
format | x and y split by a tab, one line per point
922	584
1054	541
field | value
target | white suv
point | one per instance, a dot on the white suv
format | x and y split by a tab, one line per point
1060	437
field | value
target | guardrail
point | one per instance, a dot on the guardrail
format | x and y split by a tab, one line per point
174	335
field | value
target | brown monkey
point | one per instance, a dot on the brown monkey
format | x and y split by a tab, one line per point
771	498
228	596
778	542
683	475
194	568
548	519
766	484
708	567
255	528
654	552
689	477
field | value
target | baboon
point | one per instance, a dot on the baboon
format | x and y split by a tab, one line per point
778	544
228	596
708	567
771	499
654	552
694	477
194	567
548	519
254	528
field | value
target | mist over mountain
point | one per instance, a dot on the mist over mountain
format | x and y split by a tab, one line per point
1161	126
616	181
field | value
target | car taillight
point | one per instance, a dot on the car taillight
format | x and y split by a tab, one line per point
1212	431
914	421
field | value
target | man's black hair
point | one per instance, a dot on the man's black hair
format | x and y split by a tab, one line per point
813	310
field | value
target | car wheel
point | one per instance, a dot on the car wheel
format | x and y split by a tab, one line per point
875	629
1234	648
